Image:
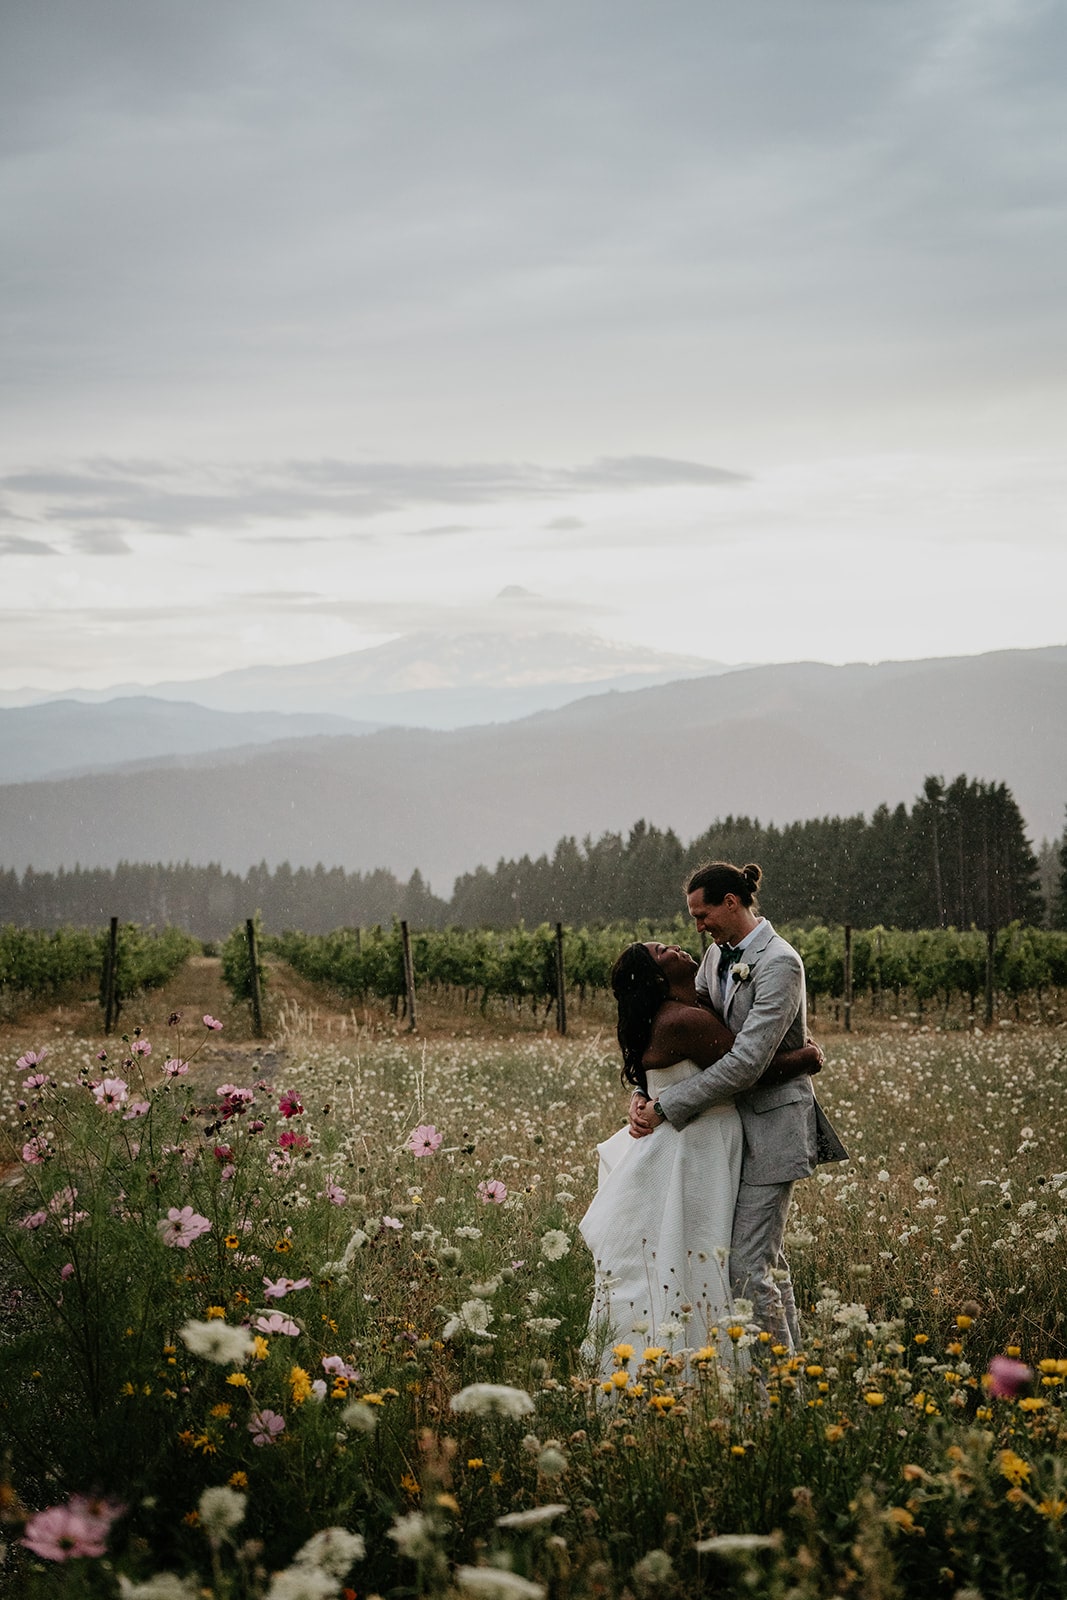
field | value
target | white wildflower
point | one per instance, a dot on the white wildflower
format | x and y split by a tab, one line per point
217	1341
163	1586
468	1233
474	1316
492	1400
851	1316
332	1550
221	1509
736	1544
532	1518
413	1535
555	1244
360	1416
653	1571
302	1583
552	1462
493	1583
542	1324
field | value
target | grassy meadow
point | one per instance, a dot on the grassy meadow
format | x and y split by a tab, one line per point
303	1317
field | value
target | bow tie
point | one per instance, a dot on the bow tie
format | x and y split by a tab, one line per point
728	954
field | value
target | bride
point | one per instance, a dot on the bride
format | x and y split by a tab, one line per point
659	1224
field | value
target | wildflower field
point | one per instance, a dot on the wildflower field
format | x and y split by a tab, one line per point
305	1319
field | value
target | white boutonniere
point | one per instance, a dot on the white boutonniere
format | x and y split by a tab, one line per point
742	972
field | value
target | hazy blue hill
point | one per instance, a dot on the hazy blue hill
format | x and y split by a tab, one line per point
62	737
779	743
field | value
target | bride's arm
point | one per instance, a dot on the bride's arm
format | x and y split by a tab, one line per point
695	1033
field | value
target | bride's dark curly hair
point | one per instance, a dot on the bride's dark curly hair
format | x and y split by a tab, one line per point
640	988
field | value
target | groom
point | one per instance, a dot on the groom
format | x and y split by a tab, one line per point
754	980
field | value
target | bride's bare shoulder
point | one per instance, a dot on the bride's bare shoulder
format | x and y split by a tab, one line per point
675	1028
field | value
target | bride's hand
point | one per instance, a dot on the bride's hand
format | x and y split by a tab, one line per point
643	1119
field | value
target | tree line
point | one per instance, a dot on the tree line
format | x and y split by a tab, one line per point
958	857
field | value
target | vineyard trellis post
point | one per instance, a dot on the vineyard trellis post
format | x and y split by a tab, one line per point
848	977
111	962
990	958
561	983
253	967
409	976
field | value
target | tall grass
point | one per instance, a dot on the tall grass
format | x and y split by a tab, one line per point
877	1463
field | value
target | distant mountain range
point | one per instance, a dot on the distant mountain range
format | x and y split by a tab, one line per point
425	680
780	743
65	738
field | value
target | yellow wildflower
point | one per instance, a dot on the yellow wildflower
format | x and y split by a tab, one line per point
238	1480
1031	1403
239	1380
833	1432
622	1352
475	1462
222	1409
873	1398
1013	1467
1052	1509
735	1331
653	1352
215	1314
300	1385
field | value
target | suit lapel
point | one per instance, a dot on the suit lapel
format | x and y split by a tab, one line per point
750	955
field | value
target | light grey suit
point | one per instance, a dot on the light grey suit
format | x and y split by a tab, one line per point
786	1133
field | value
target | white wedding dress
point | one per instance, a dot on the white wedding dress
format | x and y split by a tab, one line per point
659	1229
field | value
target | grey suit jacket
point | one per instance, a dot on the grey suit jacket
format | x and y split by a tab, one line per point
786	1132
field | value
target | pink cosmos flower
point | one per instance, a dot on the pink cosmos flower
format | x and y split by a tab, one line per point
293	1141
338	1367
213	1023
1006	1377
424	1140
64	1532
335	1195
36	1080
36	1150
175	1068
180	1228
112	1093
140	1047
283	1286
67	1271
318	1389
137	1108
234	1101
265	1426
223	1152
34	1220
492	1192
289	1104
61	1205
101	1055
275	1322
32	1058
393	1222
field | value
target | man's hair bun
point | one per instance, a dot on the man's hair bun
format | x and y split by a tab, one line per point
752	874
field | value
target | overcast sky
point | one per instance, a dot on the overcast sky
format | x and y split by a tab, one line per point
736	329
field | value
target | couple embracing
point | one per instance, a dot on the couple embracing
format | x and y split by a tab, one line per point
692	1198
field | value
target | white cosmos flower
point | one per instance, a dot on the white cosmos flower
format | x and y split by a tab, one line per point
217	1341
492	1400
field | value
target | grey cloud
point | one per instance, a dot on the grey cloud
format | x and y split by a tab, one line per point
101	542
13	544
564	524
243	496
440	532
